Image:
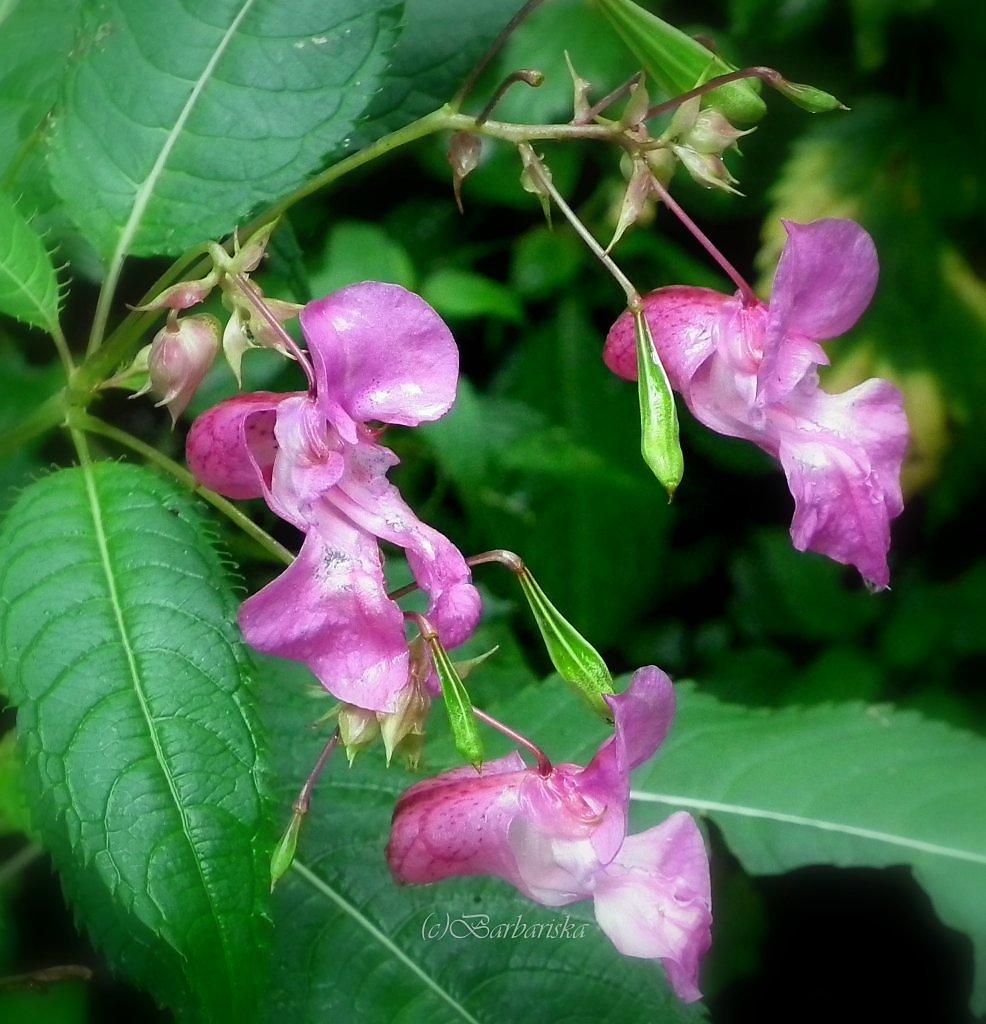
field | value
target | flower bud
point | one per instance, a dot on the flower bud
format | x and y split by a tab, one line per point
706	169
180	356
580	102
662	164
535	178
407	719
247	257
574	658
358	728
464	151
182	295
637	104
635	199
236	341
711	133
815	101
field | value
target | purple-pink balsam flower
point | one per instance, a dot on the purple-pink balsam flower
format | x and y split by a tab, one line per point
382	354
749	370
563	837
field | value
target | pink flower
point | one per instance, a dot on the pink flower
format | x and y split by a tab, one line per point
562	837
380	353
749	370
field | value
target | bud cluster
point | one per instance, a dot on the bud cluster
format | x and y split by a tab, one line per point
175	363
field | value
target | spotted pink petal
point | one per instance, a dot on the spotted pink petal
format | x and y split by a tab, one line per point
368	499
381	353
329	609
681	319
654	900
842	456
457	824
230	449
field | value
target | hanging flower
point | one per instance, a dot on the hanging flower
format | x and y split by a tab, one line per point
379	354
748	369
560	836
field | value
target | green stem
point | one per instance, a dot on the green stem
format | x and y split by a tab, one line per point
82	421
120	343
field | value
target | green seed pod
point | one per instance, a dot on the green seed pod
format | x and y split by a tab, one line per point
458	706
659	443
815	101
287	845
678	63
574	658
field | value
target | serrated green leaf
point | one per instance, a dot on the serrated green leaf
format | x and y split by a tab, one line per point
28	286
850	785
340	896
180	119
135	716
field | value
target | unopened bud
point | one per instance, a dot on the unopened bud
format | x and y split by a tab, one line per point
464	151
236	341
638	103
181	296
264	333
711	133
662	164
635	198
180	356
535	178
580	102
815	101
247	256
358	728
407	719
706	169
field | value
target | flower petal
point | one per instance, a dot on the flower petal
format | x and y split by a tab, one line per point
654	900
842	456
825	280
457	824
382	353
231	447
329	609
367	498
681	319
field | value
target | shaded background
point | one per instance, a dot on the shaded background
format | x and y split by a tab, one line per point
541	453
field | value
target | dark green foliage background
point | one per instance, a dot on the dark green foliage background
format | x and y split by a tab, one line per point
541	455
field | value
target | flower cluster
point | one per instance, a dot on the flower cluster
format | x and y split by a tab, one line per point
749	370
379	354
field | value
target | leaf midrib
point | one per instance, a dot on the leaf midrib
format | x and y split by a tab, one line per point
99	531
145	192
326	890
821	824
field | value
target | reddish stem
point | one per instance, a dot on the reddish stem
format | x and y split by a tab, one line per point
749	296
768	75
304	800
544	765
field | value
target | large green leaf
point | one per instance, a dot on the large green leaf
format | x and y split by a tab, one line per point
181	118
440	41
350	944
135	715
28	286
37	38
851	785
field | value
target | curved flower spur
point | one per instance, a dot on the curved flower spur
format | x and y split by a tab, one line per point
748	369
379	354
